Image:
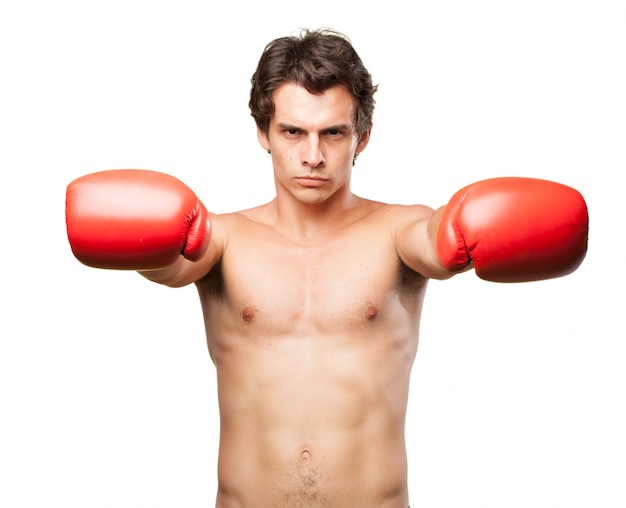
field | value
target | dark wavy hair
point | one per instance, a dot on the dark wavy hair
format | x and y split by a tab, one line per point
317	60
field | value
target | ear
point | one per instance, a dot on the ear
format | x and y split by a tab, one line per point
264	140
364	139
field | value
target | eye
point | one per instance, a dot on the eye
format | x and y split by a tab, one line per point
334	133
291	132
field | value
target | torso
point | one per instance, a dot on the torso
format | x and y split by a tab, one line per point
313	346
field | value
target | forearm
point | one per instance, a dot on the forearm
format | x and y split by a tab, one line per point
172	276
183	272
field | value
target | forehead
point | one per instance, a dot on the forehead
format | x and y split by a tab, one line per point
294	105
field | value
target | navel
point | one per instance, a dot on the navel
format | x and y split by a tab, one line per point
306	455
247	314
371	312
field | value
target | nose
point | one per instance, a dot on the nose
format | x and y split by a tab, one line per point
312	153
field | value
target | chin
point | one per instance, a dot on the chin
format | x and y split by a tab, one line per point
311	196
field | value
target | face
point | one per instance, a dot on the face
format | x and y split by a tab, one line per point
313	142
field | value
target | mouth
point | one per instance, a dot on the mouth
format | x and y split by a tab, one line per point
311	180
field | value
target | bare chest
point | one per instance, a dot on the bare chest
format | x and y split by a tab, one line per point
274	287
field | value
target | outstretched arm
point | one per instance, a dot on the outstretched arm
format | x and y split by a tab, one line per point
507	229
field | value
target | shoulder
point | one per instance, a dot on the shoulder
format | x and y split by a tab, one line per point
410	227
227	226
399	216
240	217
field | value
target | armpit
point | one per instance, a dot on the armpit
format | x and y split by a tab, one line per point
411	280
213	282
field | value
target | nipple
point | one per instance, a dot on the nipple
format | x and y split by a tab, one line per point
247	314
371	312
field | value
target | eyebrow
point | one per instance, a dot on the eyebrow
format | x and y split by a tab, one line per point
340	127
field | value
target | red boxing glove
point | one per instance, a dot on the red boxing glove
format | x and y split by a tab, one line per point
514	230
134	220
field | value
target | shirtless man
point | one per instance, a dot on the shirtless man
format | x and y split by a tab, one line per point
312	301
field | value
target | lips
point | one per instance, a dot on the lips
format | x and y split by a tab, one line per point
311	181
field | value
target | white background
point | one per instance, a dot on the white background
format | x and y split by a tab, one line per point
107	392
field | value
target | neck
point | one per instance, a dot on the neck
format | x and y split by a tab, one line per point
313	222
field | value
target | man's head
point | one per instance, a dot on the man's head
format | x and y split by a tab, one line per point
316	60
